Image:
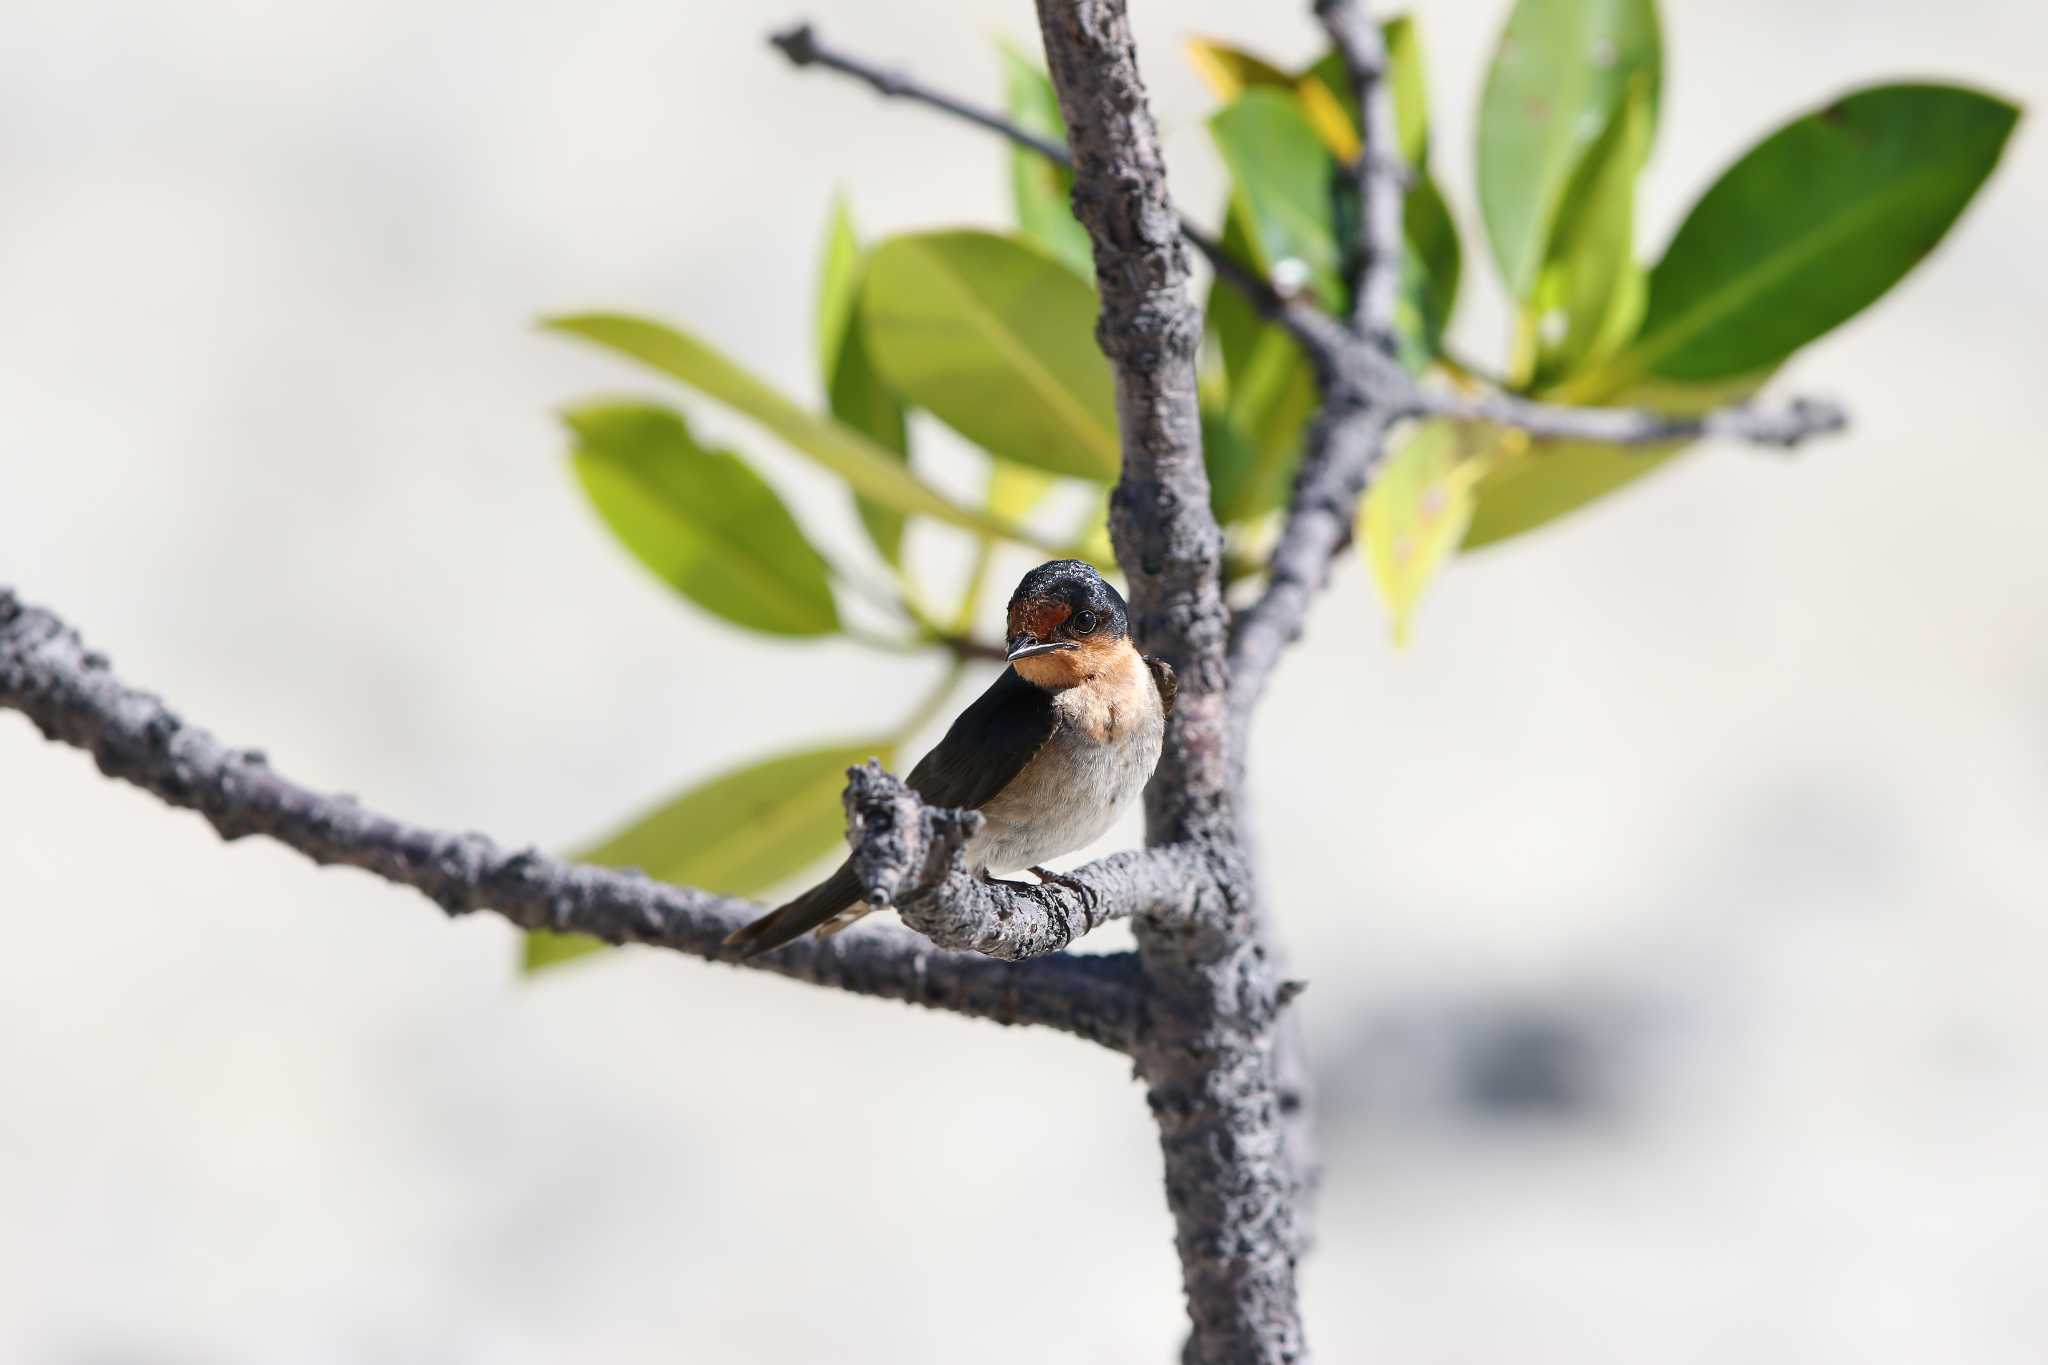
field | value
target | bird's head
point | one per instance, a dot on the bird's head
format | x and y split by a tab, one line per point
1065	624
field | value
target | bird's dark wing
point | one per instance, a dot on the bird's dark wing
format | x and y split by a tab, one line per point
1163	675
988	745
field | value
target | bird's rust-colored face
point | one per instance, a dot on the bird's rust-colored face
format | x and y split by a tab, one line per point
1057	645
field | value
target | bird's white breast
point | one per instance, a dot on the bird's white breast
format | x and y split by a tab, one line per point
1104	747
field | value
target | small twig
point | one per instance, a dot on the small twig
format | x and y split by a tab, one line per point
1309	325
1785	427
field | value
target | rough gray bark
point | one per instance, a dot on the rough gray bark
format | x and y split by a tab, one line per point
1201	1007
73	697
1205	1039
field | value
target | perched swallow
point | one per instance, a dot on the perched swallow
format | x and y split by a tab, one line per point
1059	746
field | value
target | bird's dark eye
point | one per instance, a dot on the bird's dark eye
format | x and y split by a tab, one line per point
1084	622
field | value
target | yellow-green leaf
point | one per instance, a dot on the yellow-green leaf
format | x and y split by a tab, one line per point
739	833
997	340
1229	71
704	522
871	470
1415	515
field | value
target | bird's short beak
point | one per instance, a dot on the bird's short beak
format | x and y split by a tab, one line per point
1024	647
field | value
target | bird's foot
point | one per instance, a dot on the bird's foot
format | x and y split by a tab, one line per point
1090	897
987	878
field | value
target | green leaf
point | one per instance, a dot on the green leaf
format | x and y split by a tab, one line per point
1556	77
1414	516
1813	225
1041	191
740	833
1589	296
1282	175
854	391
1430	269
704	522
1527	484
872	470
1231	320
996	339
1259	433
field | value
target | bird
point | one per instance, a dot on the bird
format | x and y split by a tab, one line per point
1060	745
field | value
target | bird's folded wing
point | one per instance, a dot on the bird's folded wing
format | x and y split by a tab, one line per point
991	742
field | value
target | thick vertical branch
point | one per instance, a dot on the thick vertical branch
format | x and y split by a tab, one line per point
1166	539
1205	1047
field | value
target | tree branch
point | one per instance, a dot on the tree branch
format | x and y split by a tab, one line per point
1313	329
1796	422
911	855
1205	1042
70	694
1378	172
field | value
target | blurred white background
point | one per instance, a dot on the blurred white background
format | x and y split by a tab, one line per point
1673	907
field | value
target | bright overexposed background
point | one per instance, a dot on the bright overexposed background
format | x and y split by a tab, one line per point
1673	908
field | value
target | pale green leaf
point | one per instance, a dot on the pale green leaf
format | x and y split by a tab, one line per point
996	339
739	833
1041	191
704	522
1559	71
872	471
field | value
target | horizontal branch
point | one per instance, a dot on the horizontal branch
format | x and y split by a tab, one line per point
73	697
1788	426
1317	333
911	855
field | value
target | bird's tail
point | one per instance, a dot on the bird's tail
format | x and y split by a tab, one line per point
820	905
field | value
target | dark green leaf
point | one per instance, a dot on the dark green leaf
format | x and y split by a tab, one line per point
704	522
1041	191
996	339
738	834
1557	75
854	391
872	470
1283	175
1813	225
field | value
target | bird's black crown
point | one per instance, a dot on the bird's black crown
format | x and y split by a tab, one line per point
1075	584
